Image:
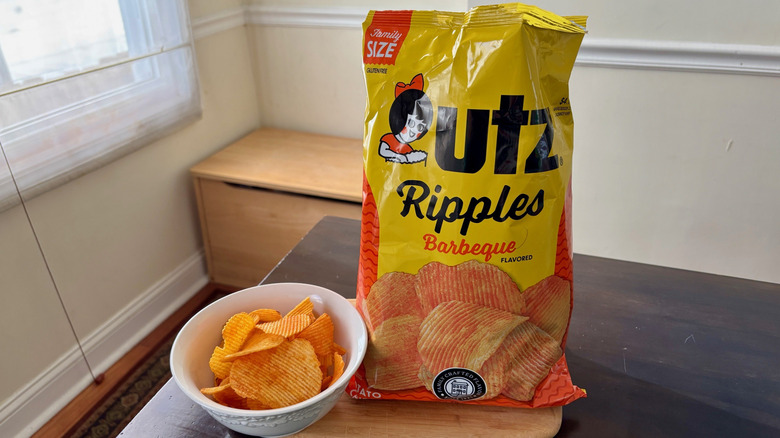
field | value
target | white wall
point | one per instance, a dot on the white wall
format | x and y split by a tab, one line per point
675	157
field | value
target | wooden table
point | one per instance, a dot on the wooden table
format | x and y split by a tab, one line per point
662	352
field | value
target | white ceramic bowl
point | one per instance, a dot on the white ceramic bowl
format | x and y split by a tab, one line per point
196	341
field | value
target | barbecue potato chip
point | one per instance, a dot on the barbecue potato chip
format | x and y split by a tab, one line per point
287	326
393	294
224	394
463	335
234	333
283	376
548	304
392	361
532	354
326	381
338	368
320	334
470	282
255	404
228	397
215	389
265	315
305	307
257	341
326	362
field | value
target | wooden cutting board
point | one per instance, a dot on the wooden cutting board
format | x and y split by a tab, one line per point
391	418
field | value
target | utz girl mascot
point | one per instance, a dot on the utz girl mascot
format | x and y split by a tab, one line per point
411	115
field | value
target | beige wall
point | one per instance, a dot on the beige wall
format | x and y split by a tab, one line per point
113	233
205	8
35	330
303	80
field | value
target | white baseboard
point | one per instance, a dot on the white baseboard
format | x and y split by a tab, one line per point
119	334
38	401
35	403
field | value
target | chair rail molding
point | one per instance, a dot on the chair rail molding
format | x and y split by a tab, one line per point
668	55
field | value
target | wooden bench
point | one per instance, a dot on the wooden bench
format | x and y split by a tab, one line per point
259	196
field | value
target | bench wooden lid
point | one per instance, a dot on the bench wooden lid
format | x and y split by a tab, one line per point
297	162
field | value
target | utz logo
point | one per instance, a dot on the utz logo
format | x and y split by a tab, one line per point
411	114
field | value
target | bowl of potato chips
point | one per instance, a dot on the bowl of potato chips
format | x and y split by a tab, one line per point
272	359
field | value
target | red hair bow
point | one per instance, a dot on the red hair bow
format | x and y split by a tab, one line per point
415	84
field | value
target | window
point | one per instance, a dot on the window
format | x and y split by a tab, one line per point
83	82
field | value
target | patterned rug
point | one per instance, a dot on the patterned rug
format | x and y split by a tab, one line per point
120	407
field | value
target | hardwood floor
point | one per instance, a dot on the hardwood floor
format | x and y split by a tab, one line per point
71	416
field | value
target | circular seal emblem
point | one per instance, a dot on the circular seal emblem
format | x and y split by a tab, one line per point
459	384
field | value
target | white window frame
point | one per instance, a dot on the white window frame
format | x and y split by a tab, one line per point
163	96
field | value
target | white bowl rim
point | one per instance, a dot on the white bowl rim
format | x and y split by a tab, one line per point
349	371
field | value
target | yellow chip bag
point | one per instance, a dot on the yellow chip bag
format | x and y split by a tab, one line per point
465	268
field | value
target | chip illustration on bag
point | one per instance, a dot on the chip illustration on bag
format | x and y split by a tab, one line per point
465	269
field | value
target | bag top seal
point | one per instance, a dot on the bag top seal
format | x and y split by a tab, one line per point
489	15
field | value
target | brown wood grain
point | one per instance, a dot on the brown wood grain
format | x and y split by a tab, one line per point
250	230
380	418
297	162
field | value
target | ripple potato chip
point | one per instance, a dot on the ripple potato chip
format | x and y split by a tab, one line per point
549	305
234	333
286	375
228	397
320	334
463	335
470	282
392	360
305	307
257	341
265	315
287	326
338	368
532	353
393	294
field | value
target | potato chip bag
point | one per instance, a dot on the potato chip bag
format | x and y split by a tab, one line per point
465	268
